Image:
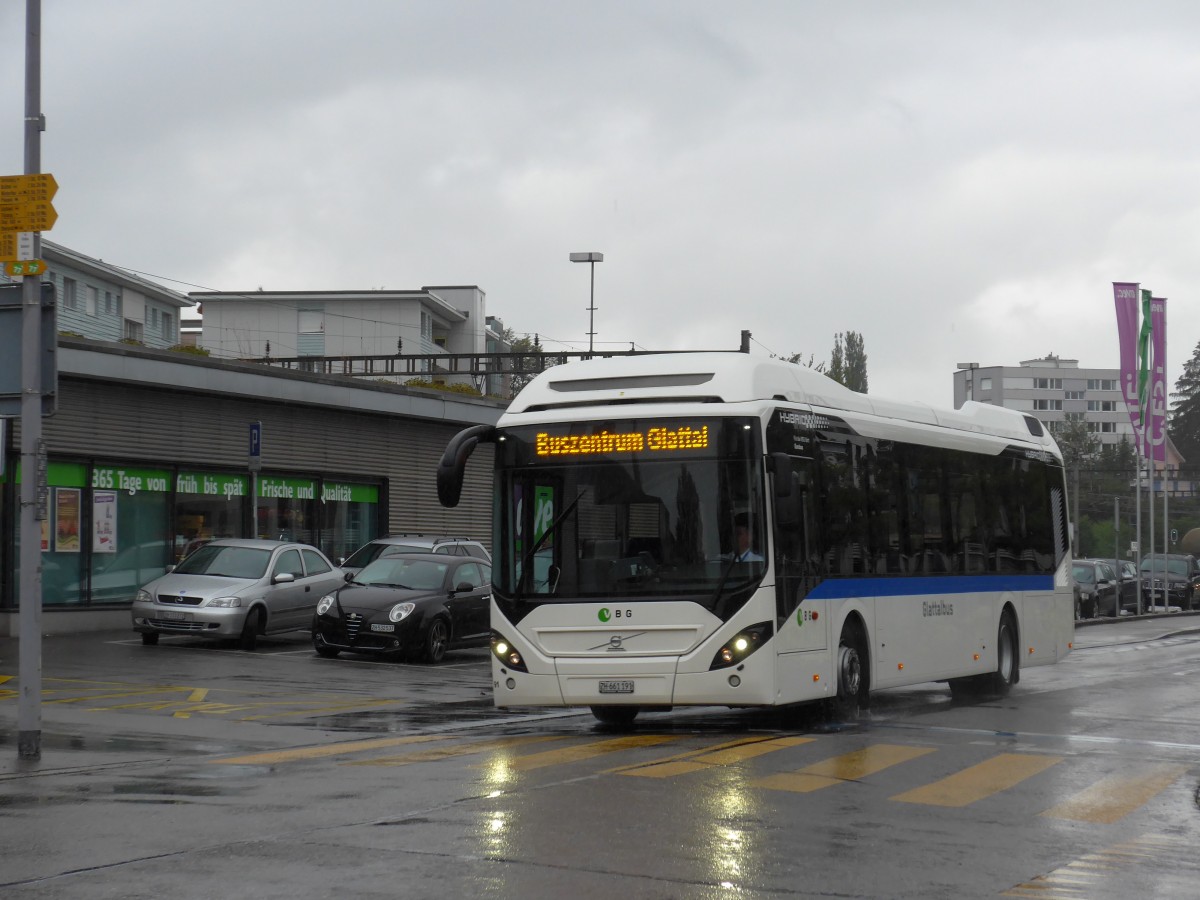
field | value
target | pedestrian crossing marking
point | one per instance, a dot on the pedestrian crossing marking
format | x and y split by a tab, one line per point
1067	881
724	755
853	766
1114	797
980	781
434	754
589	750
322	751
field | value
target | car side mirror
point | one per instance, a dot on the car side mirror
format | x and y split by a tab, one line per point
464	586
348	576
283	578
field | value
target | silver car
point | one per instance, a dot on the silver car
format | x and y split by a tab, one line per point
237	589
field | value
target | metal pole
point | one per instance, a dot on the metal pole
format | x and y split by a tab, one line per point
29	702
1137	493
592	309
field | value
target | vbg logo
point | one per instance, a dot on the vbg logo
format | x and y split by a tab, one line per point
607	615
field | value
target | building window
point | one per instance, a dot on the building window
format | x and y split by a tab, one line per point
1048	384
985	384
1102	406
1102	384
90	294
108	303
166	325
70	298
1047	404
1074	395
133	330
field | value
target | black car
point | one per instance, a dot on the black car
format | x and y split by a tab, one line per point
1096	588
1178	574
410	605
1128	583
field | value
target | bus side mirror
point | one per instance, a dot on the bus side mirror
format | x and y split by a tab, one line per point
781	465
453	463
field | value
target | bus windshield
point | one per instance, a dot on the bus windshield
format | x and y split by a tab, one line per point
633	508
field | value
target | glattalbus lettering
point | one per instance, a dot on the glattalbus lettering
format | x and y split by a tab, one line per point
936	608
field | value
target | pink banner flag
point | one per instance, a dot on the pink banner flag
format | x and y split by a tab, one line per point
1126	296
1156	414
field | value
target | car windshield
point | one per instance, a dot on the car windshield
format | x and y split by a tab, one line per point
1173	566
370	552
223	561
1084	574
404	572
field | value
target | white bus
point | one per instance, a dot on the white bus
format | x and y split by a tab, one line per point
719	529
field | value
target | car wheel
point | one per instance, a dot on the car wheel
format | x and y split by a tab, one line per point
149	638
249	637
436	639
322	648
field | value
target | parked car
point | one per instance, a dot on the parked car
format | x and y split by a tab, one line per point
407	604
1177	573
1097	580
1128	583
1095	588
414	543
236	589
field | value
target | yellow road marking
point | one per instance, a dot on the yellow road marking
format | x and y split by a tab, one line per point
588	751
1114	797
724	755
847	767
197	695
324	750
6	678
980	781
435	753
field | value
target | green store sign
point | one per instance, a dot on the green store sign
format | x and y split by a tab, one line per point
131	479
211	484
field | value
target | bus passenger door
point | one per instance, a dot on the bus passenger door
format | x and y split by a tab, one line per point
800	621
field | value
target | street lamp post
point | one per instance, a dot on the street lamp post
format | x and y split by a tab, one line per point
592	259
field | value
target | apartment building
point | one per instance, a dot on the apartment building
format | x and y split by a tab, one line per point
1051	389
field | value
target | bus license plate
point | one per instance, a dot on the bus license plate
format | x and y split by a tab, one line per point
616	687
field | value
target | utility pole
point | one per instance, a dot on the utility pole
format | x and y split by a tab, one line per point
33	493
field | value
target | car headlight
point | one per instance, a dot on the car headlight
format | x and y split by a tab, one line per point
401	611
324	604
143	597
741	645
224	602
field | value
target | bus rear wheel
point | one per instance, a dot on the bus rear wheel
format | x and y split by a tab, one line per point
1008	670
615	716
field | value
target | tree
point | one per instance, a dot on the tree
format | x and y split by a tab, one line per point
798	359
1078	445
1185	411
848	362
526	367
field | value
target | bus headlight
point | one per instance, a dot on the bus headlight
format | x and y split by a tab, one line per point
741	645
506	653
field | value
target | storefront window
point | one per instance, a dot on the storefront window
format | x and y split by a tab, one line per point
349	517
128	533
62	537
208	505
287	509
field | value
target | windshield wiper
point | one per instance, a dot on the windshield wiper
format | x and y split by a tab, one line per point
526	569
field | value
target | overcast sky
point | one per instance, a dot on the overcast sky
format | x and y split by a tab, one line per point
956	181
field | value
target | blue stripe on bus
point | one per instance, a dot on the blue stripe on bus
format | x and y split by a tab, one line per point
838	588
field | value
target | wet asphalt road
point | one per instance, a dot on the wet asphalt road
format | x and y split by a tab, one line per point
190	770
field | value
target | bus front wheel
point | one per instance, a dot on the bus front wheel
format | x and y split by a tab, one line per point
1007	659
853	690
